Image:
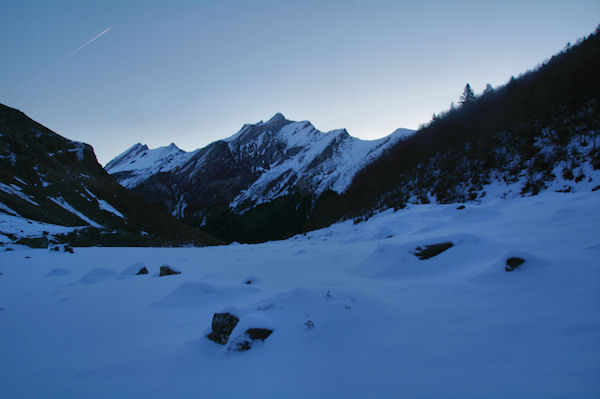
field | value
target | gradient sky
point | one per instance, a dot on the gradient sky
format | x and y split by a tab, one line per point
192	72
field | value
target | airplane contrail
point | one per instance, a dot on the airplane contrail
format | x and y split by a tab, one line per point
71	54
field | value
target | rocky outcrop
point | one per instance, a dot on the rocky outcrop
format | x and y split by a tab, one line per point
223	325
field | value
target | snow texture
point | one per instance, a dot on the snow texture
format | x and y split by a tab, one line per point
354	312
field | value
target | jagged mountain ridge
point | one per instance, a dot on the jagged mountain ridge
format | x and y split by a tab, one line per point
260	163
49	184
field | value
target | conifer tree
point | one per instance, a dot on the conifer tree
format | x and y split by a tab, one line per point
488	89
468	96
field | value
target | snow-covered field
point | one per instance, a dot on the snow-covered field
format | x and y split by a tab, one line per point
384	323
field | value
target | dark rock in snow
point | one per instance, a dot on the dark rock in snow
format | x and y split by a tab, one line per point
460	207
243	346
143	270
34	242
432	250
255	334
513	263
69	249
222	326
250	280
258	333
167	271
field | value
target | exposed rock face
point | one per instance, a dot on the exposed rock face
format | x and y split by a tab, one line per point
143	270
166	271
222	326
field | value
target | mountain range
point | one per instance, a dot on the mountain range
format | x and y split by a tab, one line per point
276	160
274	179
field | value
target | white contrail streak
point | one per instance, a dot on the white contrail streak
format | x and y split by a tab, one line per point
71	54
83	46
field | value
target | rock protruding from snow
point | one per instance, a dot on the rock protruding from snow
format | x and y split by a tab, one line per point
429	251
513	263
222	326
252	335
166	270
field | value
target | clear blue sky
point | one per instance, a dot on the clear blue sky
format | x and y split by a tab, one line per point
192	72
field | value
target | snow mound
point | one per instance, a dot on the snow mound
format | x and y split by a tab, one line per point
132	270
494	272
391	259
196	293
97	275
58	272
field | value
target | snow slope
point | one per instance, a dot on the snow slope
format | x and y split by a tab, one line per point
384	324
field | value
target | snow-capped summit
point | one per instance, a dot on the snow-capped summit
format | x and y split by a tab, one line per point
139	162
278	117
258	164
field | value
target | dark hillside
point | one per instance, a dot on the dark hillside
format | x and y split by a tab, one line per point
47	178
538	125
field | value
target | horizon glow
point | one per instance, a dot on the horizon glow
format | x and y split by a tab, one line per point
192	72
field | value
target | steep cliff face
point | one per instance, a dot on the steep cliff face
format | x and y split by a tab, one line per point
258	165
51	186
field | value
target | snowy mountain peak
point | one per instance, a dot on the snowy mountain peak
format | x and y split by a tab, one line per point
139	162
260	163
278	117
